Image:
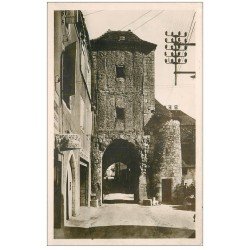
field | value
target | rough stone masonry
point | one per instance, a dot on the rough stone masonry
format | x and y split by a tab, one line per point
123	93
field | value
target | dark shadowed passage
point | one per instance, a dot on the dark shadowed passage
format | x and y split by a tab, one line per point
121	170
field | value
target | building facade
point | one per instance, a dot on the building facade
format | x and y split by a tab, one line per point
72	115
123	76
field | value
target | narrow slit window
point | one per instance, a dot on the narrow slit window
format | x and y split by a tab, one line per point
120	72
184	171
120	113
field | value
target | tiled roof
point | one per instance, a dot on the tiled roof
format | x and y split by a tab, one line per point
162	114
182	117
161	109
174	114
116	39
159	118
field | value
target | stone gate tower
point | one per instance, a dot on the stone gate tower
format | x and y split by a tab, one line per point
123	94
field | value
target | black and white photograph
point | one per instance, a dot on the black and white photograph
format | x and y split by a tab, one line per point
125	123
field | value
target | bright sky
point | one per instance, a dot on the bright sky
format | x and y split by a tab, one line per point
153	31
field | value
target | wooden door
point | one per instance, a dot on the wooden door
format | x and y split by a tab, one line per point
166	190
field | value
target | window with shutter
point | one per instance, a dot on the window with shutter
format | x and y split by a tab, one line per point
68	82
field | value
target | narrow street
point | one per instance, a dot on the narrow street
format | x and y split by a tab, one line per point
120	138
112	220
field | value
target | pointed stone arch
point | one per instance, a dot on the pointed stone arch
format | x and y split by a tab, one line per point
70	187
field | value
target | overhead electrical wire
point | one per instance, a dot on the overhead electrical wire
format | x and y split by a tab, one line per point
136	19
189	34
93	13
191	24
149	20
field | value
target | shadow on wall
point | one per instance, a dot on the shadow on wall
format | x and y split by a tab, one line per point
118	201
184	207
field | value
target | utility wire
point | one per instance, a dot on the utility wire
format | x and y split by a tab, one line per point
191	33
149	20
136	19
93	12
189	40
191	24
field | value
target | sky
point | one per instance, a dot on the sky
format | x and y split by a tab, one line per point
98	21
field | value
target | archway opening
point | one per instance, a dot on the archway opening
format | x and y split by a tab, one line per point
120	172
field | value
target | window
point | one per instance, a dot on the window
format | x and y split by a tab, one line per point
184	171
120	113
120	71
68	72
121	38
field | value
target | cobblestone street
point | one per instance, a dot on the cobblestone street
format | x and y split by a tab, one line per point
131	217
133	214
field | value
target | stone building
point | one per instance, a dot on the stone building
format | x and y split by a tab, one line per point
123	80
72	115
105	114
187	129
133	128
172	152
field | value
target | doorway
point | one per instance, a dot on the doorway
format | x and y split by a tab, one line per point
70	190
67	198
117	184
166	190
84	175
57	192
120	173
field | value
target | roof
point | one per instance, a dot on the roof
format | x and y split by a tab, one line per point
179	115
182	117
162	115
121	40
161	109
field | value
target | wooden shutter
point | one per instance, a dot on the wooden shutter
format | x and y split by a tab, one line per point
69	58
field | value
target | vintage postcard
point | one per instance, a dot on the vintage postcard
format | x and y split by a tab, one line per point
125	124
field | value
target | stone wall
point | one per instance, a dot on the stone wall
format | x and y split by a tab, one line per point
99	146
148	87
165	157
134	93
